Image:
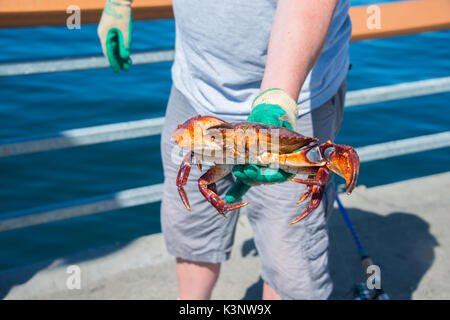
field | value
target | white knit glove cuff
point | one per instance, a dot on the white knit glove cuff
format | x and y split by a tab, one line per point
116	14
280	98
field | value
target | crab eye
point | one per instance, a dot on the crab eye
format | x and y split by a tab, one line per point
328	152
179	126
314	155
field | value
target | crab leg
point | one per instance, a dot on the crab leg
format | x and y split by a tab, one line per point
207	187
306	157
318	180
316	192
183	175
309	189
307	181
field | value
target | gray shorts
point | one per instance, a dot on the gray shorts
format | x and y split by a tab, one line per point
294	258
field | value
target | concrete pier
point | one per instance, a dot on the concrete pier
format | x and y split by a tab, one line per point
404	227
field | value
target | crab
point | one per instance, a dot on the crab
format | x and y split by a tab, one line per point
211	140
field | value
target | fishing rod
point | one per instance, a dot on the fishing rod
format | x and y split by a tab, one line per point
361	290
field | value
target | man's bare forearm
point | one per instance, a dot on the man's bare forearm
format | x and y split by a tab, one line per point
299	31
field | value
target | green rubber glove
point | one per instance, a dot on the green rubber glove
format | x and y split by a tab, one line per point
114	30
273	107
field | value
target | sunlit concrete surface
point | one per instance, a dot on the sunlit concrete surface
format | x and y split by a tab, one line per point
403	226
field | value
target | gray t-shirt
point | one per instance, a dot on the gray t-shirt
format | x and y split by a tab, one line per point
221	51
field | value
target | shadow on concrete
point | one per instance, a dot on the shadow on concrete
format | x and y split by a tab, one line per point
399	243
249	248
25	252
17	276
254	292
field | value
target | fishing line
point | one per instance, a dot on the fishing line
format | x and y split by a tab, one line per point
360	289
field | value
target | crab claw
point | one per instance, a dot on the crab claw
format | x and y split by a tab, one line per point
342	160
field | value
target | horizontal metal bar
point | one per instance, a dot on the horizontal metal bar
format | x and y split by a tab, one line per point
73	64
82	137
397	91
153	193
149	127
404	146
119	200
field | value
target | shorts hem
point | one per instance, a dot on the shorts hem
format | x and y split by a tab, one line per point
324	295
211	257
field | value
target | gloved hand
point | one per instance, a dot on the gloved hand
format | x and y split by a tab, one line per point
114	30
273	107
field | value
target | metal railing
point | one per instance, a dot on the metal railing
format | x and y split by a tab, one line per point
153	193
60	65
149	127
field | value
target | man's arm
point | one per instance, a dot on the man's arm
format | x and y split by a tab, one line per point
299	31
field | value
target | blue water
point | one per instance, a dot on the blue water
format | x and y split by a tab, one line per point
48	103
